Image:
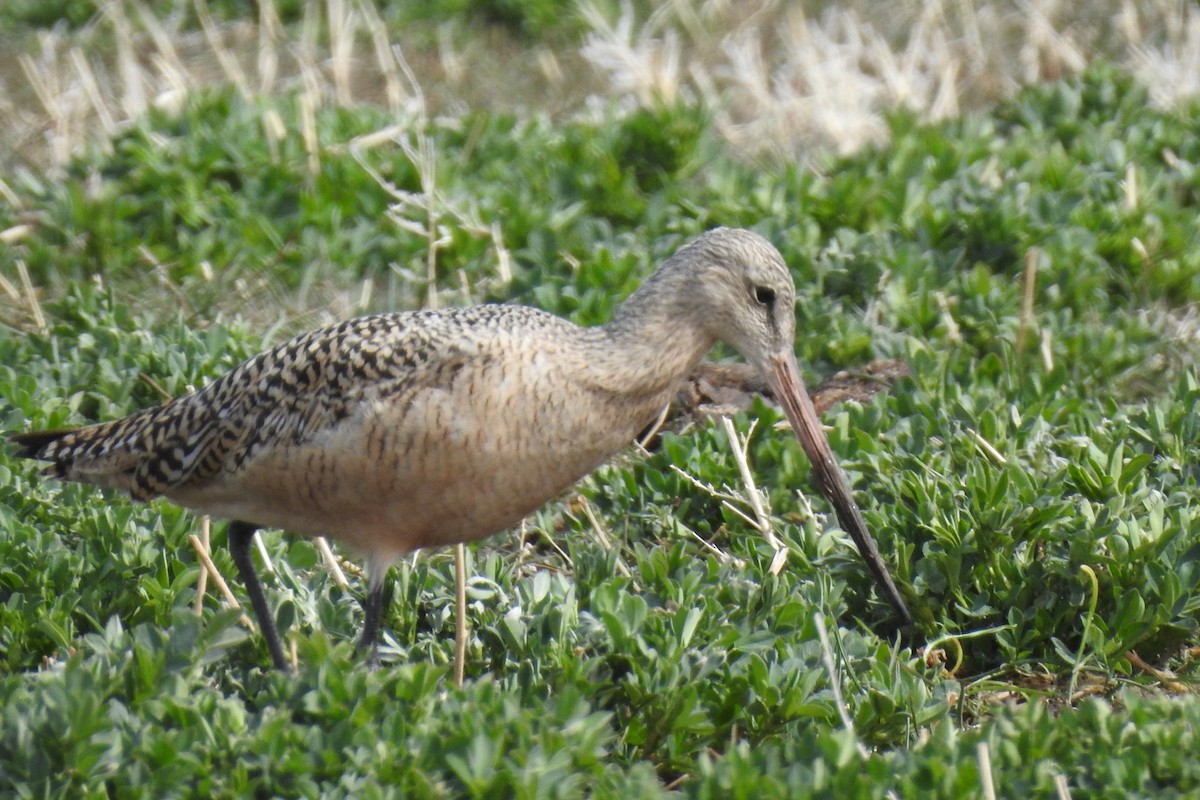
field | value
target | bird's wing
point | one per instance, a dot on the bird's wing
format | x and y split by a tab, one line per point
285	395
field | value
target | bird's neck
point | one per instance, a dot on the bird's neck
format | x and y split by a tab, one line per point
653	340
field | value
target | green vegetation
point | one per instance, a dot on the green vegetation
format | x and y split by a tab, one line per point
529	18
1039	503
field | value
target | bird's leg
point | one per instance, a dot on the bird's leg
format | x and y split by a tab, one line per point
376	586
241	536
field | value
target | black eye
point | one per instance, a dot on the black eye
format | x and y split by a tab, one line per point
764	295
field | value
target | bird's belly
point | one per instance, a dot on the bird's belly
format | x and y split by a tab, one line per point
447	465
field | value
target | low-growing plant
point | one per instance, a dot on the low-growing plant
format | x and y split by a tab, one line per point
1032	483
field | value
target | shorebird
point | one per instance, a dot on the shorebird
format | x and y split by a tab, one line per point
415	429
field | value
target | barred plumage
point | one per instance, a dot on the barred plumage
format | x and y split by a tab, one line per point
406	430
281	396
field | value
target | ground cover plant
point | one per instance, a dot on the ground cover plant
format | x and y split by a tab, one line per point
1033	484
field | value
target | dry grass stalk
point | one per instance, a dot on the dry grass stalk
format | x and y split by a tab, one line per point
785	84
229	64
14	201
602	535
35	306
7	287
15	234
780	83
270	34
720	555
222	586
1027	294
202	581
382	45
987	447
343	25
331	562
309	101
983	756
133	100
92	89
835	683
727	499
1047	349
460	613
762	518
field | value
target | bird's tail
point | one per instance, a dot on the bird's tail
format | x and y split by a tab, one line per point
33	443
104	454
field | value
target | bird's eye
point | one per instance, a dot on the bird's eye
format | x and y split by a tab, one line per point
764	295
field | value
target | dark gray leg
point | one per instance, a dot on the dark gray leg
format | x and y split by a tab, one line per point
241	537
376	584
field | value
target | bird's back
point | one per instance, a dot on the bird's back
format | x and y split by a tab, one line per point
283	396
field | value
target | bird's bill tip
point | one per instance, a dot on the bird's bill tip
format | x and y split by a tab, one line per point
785	380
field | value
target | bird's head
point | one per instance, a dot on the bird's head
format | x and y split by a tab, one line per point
745	293
745	297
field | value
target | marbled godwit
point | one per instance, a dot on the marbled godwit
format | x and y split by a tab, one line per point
399	431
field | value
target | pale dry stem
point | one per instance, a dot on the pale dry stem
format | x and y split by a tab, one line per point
35	306
983	757
786	84
331	562
602	535
202	581
460	613
835	683
1032	256
222	586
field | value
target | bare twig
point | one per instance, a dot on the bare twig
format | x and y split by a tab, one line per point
166	55
10	197
1168	679
763	519
133	100
548	539
45	86
148	379
1047	349
503	259
728	501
